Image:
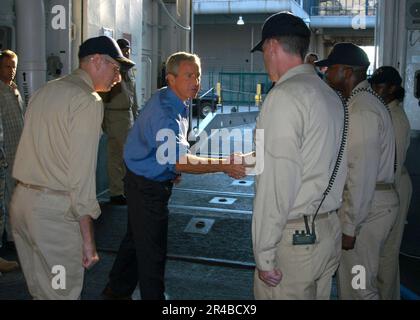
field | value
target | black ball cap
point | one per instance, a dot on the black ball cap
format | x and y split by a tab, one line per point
282	24
386	74
104	45
123	43
345	53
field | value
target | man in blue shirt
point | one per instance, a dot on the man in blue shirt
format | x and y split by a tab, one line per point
155	153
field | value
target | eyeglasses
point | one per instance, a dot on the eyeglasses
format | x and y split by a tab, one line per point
115	66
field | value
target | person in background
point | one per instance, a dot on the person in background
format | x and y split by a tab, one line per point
386	81
12	110
121	110
310	58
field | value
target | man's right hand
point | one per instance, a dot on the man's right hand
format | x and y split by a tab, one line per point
236	171
270	278
347	242
90	256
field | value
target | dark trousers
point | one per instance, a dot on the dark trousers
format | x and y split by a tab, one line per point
141	257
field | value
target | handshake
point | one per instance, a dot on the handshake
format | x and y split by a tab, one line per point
238	165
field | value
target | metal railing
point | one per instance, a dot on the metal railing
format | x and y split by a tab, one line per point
343	8
238	88
207	93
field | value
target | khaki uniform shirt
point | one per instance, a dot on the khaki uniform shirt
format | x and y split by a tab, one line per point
123	96
302	119
371	156
59	144
12	110
402	136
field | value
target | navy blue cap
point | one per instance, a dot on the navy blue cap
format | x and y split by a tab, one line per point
386	74
282	24
123	43
104	45
345	53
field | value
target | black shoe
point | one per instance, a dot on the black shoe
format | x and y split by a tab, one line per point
8	248
108	294
7	266
118	200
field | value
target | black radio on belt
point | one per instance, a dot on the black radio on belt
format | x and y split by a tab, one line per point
303	237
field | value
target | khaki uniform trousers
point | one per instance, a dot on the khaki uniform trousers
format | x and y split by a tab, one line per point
117	124
370	240
307	269
389	271
46	237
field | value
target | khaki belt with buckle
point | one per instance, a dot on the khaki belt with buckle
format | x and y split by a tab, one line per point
43	189
384	186
319	216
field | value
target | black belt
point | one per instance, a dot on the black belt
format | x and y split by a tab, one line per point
143	179
109	109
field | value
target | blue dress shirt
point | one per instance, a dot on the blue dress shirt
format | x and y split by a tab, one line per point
158	137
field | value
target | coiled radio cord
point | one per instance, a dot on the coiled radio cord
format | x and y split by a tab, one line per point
339	157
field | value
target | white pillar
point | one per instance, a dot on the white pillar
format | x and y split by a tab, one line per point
389	34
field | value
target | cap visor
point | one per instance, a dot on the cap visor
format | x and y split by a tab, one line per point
127	63
378	79
323	63
258	47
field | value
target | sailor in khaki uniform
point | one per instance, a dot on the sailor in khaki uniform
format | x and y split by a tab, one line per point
121	109
55	200
303	120
370	200
386	81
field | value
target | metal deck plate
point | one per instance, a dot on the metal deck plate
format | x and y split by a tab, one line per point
222	200
243	183
199	225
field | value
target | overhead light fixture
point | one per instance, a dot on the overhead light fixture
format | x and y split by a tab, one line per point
240	21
